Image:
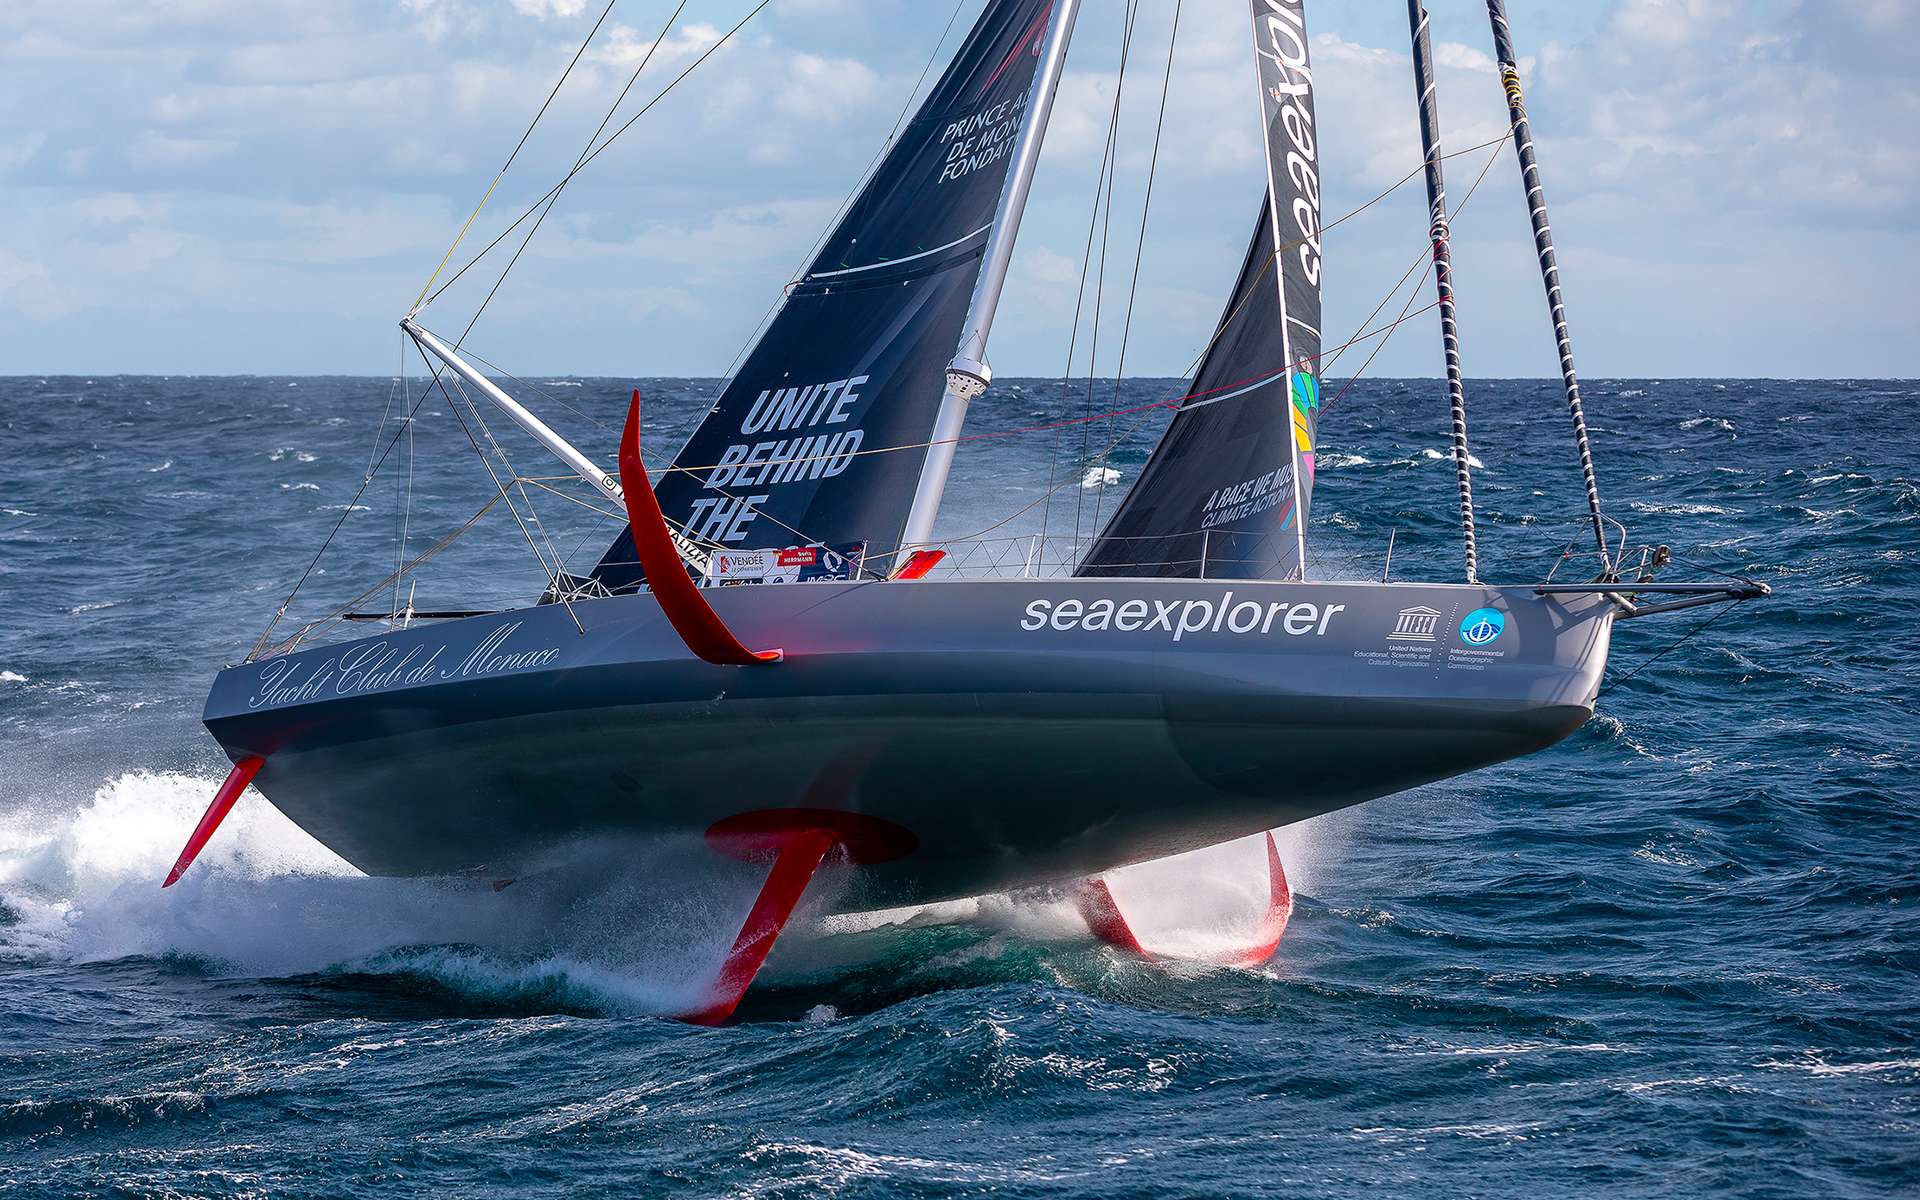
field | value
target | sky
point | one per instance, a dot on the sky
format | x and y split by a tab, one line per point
232	186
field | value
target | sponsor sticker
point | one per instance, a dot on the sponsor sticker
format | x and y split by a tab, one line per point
1415	624
1179	618
1482	626
791	564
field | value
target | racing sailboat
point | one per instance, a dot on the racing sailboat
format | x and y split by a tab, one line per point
780	588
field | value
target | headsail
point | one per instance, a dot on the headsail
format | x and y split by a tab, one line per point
855	361
1228	490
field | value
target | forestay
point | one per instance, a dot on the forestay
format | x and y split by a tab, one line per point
1227	491
855	360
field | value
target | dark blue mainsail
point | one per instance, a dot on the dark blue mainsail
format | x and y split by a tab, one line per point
1227	490
797	449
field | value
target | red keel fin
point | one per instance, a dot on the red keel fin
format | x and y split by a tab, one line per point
687	610
798	858
1108	924
236	782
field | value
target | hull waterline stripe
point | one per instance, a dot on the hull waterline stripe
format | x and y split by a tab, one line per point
687	610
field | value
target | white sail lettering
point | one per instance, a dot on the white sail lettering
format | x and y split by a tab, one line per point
844	448
788	414
840	409
757	413
723	471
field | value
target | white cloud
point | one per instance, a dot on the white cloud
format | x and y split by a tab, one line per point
243	173
550	8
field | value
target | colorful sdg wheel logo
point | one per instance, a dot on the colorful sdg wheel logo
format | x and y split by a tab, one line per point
1482	626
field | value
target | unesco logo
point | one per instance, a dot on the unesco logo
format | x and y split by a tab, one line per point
1482	626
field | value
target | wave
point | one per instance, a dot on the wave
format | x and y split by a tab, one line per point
265	900
1432	455
12	677
1684	510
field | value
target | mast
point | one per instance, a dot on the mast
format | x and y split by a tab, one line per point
968	373
1424	86
1549	266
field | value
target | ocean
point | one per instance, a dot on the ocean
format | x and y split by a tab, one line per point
1674	955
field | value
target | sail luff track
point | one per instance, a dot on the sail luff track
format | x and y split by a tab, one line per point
1549	264
1426	89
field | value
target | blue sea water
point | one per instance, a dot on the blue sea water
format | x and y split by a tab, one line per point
1673	955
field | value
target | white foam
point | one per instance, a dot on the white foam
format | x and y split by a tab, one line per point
1684	510
1198	905
266	899
1099	477
12	677
1432	455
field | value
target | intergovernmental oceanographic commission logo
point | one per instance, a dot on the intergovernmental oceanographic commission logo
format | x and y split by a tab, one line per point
1482	626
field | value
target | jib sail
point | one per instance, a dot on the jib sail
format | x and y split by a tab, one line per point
855	361
1227	491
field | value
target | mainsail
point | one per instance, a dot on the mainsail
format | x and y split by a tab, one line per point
1227	491
855	360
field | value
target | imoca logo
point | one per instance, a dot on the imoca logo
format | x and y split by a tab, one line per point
1481	626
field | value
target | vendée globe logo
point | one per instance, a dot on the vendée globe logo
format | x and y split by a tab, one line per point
1482	626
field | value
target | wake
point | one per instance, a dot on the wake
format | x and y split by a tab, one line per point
639	932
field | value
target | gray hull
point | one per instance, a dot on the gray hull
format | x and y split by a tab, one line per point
1024	731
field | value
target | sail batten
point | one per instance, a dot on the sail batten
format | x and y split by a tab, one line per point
854	361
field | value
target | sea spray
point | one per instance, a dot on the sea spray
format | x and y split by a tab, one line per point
627	927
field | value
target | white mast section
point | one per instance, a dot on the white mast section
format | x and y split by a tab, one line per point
968	373
607	485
